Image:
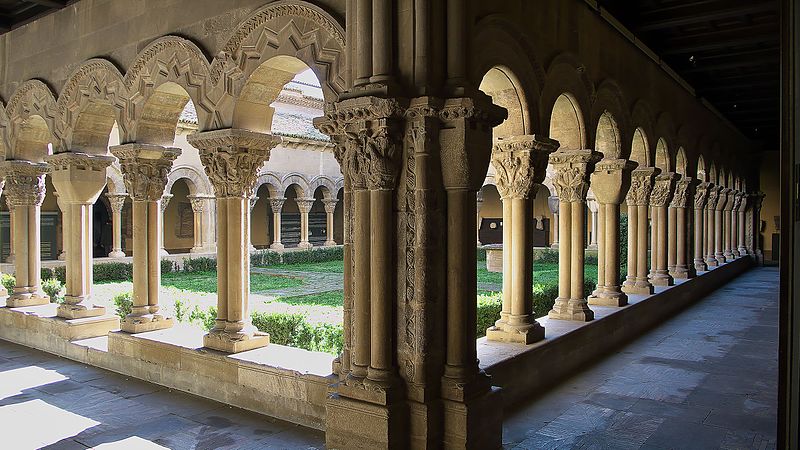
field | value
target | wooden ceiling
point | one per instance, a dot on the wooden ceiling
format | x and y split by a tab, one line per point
14	13
727	50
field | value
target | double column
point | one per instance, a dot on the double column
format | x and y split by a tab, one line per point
552	204
117	202
330	207
164	203
678	238
742	224
727	226
700	225
304	205
638	200
79	178
25	190
571	181
663	190
232	158
520	163
710	228
611	181
276	204
719	224
202	224
145	169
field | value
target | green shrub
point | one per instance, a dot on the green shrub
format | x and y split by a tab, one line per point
52	287
124	304
264	258
480	254
60	274
314	255
547	255
47	273
8	282
489	306
206	318
112	272
167	266
202	264
293	330
180	310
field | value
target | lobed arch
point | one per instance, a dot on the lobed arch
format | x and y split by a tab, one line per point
114	180
303	189
32	116
566	97
274	184
505	47
92	100
197	183
289	28
168	73
611	121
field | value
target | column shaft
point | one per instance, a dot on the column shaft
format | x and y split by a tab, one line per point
361	283
381	286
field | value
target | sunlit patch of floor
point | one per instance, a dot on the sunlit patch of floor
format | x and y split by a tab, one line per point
43	424
130	443
14	381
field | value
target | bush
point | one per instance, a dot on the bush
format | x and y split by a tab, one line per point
202	264
124	304
489	307
46	273
113	272
8	282
264	258
196	316
293	330
167	266
481	254
314	255
52	287
548	256
60	274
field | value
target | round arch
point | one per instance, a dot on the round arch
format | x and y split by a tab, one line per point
196	182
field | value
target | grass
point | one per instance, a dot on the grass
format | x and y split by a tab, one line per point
543	273
330	298
207	281
320	267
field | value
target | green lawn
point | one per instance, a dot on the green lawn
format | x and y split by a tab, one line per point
325	267
207	281
543	273
330	298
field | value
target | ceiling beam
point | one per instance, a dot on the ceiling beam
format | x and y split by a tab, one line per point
692	16
716	40
744	62
49	3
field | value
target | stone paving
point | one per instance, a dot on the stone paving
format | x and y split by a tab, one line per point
51	402
705	379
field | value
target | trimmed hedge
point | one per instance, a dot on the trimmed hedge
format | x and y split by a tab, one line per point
293	330
202	264
113	272
265	258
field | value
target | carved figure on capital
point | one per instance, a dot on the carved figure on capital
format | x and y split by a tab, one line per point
572	169
24	182
145	169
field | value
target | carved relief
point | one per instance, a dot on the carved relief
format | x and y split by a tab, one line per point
662	191
572	168
520	164
701	195
145	169
681	194
24	183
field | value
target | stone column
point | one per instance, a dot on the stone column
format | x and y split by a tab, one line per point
742	222
164	202
758	200
251	248
277	206
552	203
11	256
719	222
638	199
3	290
200	204
304	205
520	163
25	190
79	178
117	201
145	169
700	198
64	227
591	203
734	231
572	168
678	263
663	190
478	205
330	207
232	158
711	204
611	181
727	229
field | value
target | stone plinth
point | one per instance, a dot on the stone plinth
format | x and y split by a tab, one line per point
44	320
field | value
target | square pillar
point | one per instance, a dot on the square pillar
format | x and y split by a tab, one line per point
25	190
638	199
79	179
145	169
520	164
232	158
571	182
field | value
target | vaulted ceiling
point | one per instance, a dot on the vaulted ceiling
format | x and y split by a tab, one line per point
14	13
727	50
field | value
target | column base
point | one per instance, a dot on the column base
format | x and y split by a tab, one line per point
3	291
68	311
163	252
277	246
661	279
21	301
743	251
197	250
720	258
62	256
516	335
712	262
605	298
638	288
700	265
252	248
329	243
117	254
11	259
735	253
554	246
571	309
143	324
682	273
476	423
591	247
235	343
304	245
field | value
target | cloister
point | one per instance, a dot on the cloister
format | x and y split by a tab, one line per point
438	124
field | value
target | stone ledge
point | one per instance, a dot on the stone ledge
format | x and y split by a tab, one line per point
44	320
525	371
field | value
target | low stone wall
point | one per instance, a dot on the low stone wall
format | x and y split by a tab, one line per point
523	372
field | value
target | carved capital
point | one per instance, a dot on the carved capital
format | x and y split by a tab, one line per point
680	198
145	169
117	201
722	198
572	168
730	201
165	201
276	204
199	202
330	205
701	195
641	186
713	196
520	163
304	204
232	158
663	188
253	201
24	182
611	180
